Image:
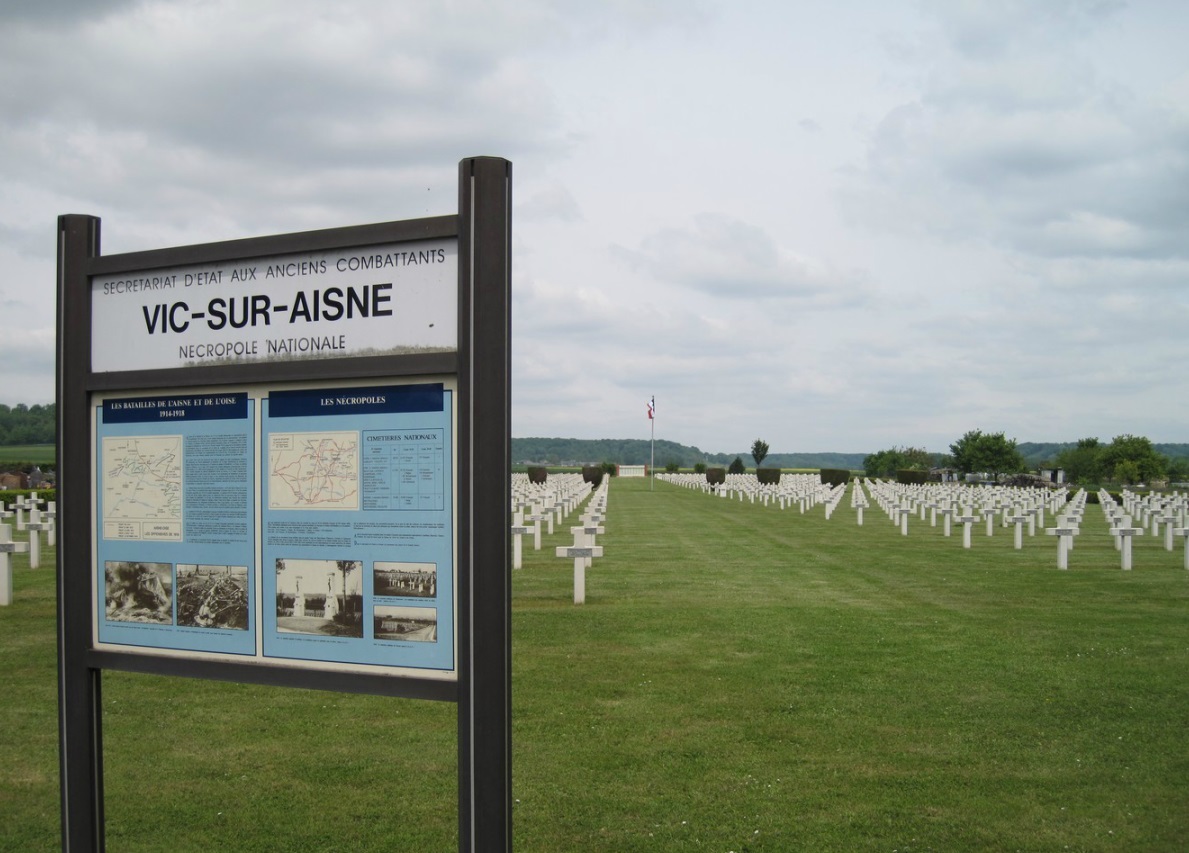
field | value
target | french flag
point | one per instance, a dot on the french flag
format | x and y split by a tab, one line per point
652	408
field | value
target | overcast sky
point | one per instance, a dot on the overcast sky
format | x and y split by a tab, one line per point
835	226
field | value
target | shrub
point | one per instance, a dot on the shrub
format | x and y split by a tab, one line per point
537	474
911	478
672	467
699	467
715	476
736	467
592	474
835	476
7	496
609	468
768	476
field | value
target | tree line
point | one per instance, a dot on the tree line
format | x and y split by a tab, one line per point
21	424
1126	459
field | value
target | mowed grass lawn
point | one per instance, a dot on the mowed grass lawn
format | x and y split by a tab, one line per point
741	678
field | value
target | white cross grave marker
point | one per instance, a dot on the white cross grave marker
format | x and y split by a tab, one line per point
946	512
585	536
579	556
34	526
518	529
50	515
7	546
904	512
1018	520
536	518
1064	534
1125	534
1169	519
967	519
1183	532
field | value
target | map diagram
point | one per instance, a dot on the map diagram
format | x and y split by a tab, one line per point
313	470
142	479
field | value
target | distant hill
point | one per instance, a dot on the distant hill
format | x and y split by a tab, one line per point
635	451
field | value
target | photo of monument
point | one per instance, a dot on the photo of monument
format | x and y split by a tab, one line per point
320	597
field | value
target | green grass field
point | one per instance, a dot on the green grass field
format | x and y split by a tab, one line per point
41	454
741	678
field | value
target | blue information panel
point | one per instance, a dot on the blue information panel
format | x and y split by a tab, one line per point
303	526
176	539
357	526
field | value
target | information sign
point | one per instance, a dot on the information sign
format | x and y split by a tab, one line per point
344	553
269	456
358	515
176	551
391	299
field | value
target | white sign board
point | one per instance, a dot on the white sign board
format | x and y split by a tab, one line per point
373	300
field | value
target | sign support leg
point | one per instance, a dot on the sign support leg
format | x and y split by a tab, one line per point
485	684
79	710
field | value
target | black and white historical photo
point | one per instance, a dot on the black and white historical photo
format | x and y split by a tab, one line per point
415	580
392	622
320	597
138	592
213	596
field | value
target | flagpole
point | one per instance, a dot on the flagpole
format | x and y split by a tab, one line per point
652	446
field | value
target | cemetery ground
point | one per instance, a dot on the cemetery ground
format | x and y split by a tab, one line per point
740	678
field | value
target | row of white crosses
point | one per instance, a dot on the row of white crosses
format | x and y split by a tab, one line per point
584	549
548	502
965	505
1154	510
802	490
1171	511
1014	506
1028	506
954	502
1068	525
1121	527
36	522
1157	509
858	501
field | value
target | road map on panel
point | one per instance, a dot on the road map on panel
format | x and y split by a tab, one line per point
313	470
142	482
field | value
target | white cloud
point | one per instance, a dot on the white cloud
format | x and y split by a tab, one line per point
841	227
727	258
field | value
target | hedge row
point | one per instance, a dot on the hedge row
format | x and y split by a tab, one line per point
912	478
7	496
835	476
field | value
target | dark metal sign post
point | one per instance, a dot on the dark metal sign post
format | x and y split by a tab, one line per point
168	350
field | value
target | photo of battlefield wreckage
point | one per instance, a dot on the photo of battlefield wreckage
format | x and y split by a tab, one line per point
138	592
213	596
